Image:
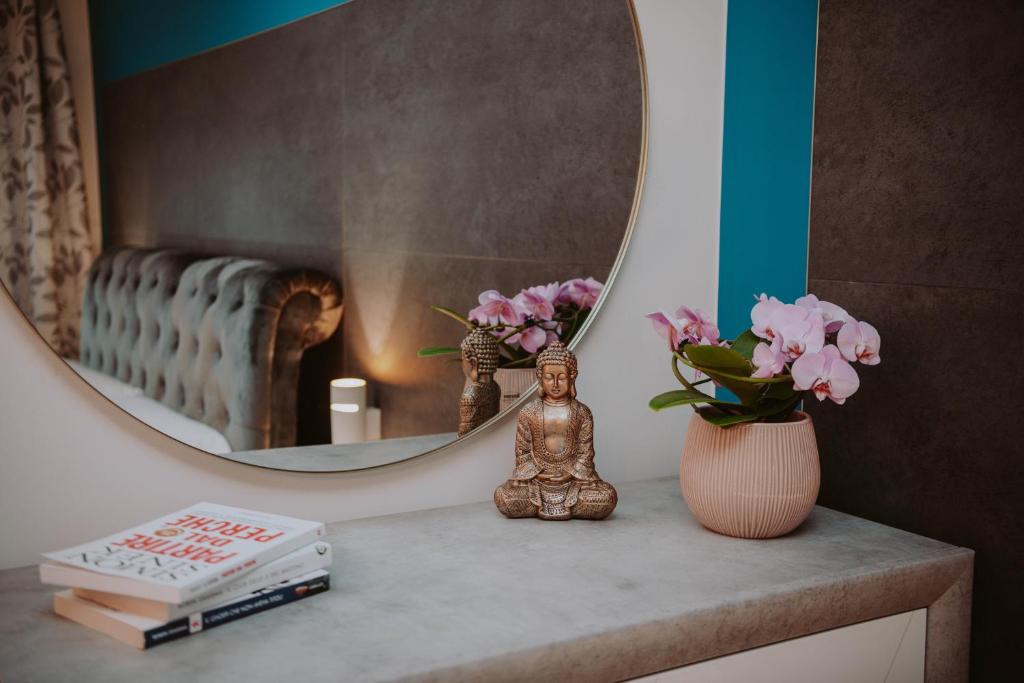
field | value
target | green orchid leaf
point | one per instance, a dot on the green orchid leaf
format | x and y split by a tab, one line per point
747	393
430	351
683	397
721	420
745	343
728	368
718	358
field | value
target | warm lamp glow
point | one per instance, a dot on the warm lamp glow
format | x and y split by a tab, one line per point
349	390
348	382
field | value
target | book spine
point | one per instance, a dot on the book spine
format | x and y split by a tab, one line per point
279	570
233	571
259	602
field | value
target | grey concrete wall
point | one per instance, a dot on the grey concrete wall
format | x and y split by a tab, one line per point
418	151
916	214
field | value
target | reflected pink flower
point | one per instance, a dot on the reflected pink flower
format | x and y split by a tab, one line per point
537	302
696	324
582	293
833	316
859	341
769	360
495	308
801	336
761	316
668	328
827	374
532	338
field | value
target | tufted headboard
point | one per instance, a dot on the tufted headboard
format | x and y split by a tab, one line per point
216	339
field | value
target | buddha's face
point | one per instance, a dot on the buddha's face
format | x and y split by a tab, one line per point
555	381
469	368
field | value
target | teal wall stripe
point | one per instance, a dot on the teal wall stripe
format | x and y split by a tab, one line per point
130	36
766	154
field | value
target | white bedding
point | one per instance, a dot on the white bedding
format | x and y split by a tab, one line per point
155	414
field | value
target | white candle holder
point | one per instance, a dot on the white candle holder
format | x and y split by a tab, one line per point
348	423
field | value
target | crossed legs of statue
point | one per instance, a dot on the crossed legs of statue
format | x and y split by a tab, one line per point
589	500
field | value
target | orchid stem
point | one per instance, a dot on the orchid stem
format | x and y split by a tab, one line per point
679	374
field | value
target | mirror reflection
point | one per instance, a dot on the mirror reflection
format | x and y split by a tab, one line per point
360	226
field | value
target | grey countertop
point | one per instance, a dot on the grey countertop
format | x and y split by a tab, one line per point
462	593
343	457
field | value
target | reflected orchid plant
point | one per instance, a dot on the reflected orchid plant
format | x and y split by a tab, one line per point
529	321
790	351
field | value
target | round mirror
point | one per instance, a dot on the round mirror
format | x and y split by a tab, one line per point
301	228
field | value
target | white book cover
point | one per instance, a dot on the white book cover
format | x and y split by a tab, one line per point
303	561
184	554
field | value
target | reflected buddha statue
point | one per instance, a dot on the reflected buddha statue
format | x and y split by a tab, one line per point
481	396
554	476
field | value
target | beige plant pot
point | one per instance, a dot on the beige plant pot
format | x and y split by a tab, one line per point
514	383
755	480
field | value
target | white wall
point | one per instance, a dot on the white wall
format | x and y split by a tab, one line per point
72	466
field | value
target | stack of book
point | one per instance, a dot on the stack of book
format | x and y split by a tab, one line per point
188	571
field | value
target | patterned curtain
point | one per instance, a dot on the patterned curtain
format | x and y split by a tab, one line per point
45	244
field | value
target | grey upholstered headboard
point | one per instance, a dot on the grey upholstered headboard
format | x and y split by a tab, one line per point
216	339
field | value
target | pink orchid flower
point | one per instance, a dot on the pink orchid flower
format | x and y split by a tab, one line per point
801	336
769	360
826	373
495	308
832	315
668	328
537	302
696	324
704	341
859	341
532	338
583	293
761	316
783	316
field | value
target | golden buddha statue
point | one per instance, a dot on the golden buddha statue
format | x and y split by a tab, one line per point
481	396
554	476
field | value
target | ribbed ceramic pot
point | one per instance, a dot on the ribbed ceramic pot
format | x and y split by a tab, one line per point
756	480
514	382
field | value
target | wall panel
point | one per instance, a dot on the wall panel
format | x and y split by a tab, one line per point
916	227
